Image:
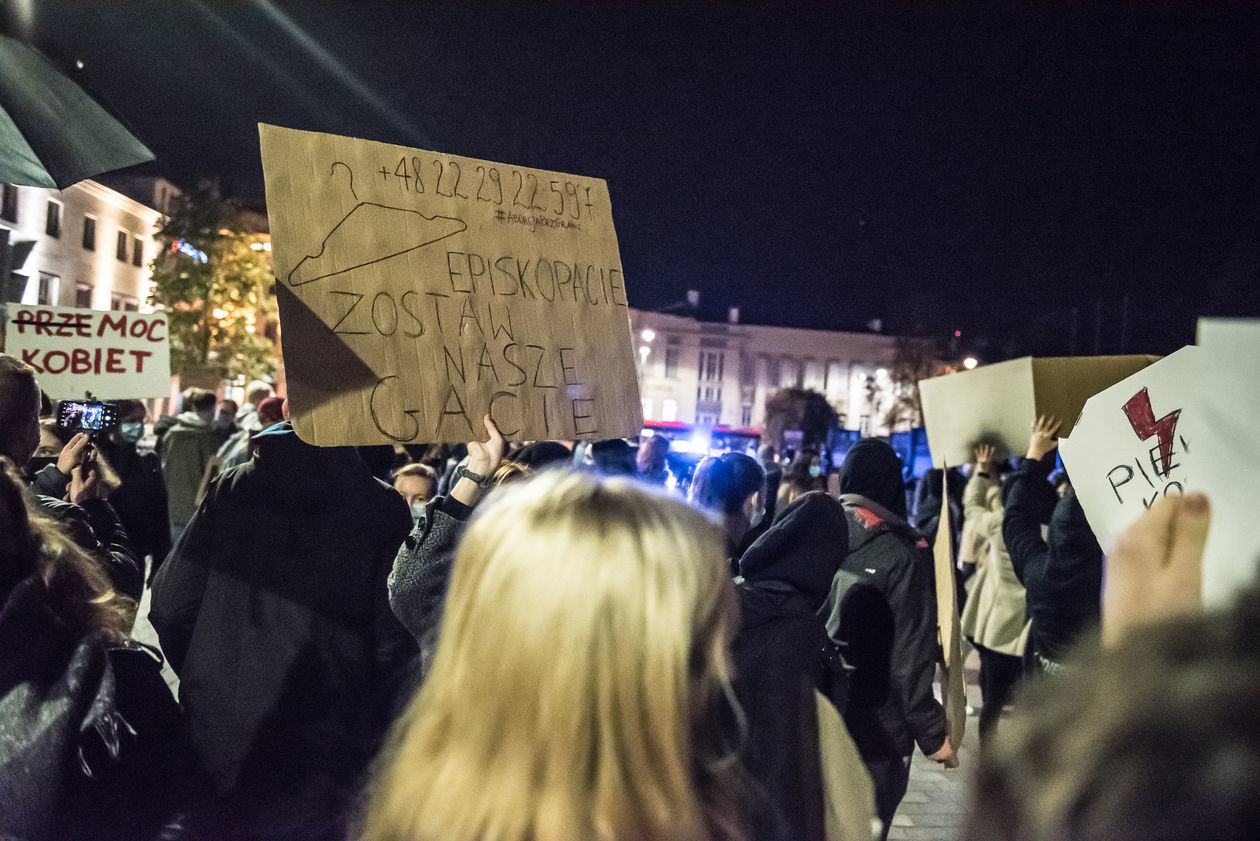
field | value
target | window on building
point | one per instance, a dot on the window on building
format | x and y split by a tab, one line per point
137	251
83	295
669	410
121	251
711	365
52	224
745	417
813	375
705	420
773	371
671	363
8	202
123	302
864	425
89	233
789	373
747	369
48	288
837	381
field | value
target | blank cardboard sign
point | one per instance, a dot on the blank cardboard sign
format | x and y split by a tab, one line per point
997	404
1134	443
419	291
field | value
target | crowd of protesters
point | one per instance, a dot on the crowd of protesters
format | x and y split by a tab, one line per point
536	641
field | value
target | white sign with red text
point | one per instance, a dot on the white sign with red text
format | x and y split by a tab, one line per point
115	355
1134	443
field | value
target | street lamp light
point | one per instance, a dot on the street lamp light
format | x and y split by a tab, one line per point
648	335
970	362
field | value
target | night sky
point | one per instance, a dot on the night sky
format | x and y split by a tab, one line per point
939	169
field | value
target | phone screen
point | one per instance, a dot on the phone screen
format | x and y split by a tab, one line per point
73	414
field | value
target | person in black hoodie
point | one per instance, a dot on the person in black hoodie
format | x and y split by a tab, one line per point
883	607
273	611
782	654
140	499
1062	574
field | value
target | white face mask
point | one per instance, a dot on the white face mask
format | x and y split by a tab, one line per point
131	432
417	511
815	471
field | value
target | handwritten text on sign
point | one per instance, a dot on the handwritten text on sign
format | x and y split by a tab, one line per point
114	355
420	291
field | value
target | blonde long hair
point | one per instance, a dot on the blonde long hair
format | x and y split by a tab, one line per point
581	671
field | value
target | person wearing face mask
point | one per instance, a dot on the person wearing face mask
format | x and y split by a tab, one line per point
804	474
140	499
418	484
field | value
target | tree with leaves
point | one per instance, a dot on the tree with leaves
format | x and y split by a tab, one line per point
914	359
213	279
803	409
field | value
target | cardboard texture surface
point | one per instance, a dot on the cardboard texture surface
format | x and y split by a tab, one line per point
1135	442
998	403
1227	453
953	676
848	793
115	355
419	291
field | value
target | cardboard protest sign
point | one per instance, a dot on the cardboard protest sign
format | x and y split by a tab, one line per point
1227	452
997	404
419	291
1133	444
949	626
114	355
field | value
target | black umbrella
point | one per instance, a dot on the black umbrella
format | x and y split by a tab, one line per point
52	134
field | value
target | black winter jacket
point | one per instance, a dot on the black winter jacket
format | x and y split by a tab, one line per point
272	608
1062	574
92	744
782	655
883	609
96	527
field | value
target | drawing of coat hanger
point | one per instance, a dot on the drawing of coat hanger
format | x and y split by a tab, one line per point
349	245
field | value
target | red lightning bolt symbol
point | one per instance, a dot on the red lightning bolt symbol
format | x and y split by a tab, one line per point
1142	419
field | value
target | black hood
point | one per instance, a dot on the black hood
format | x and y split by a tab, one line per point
873	470
803	548
300	475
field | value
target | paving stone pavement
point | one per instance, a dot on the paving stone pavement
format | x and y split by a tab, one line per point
936	800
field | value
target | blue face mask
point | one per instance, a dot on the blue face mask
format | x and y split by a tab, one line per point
815	471
131	432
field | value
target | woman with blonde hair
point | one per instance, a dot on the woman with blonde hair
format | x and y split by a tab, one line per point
581	684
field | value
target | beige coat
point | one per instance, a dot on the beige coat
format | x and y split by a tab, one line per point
995	615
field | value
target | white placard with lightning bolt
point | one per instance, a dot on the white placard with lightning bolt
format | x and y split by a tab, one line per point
1134	443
